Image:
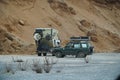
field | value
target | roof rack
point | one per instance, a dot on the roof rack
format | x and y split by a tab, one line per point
81	38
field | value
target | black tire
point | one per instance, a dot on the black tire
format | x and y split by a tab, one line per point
63	56
44	54
53	54
59	55
91	50
39	54
81	55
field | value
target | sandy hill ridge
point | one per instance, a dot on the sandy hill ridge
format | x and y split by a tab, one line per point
99	19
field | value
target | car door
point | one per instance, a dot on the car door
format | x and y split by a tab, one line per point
76	48
84	47
68	49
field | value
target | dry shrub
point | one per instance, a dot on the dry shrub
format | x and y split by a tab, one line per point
23	66
86	59
36	66
54	61
47	65
17	60
9	69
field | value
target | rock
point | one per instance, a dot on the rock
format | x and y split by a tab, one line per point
21	22
92	33
94	39
85	23
72	11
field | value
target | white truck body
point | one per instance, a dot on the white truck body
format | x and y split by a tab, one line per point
45	39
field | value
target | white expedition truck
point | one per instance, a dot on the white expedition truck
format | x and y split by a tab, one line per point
45	39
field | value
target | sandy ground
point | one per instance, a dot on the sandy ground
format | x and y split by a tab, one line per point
101	66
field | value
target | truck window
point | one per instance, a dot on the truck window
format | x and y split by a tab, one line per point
76	45
84	45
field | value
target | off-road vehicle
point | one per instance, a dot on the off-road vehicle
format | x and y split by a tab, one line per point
78	46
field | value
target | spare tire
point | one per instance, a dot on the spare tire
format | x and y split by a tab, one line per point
37	36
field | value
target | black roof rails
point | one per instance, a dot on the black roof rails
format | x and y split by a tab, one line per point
81	38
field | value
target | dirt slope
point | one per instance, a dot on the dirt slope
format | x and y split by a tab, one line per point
99	19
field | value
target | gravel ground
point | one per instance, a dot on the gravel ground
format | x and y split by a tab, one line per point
102	66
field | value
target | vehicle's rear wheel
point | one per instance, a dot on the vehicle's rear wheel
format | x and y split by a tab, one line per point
81	55
53	54
39	54
59	55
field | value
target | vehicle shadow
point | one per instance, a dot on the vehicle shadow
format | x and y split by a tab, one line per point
118	78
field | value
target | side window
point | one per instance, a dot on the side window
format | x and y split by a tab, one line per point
76	45
70	45
84	45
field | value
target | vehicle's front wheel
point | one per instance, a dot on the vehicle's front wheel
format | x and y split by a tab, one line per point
81	55
53	54
59	55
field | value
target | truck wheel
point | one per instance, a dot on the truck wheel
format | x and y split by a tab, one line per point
44	54
59	55
62	56
53	54
81	55
39	54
